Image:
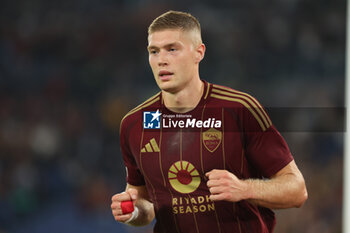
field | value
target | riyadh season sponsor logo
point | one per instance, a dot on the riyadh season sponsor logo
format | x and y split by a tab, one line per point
185	179
156	120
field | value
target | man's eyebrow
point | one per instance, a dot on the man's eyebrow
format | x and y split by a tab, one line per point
164	46
152	47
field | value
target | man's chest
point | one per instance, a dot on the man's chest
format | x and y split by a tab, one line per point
179	157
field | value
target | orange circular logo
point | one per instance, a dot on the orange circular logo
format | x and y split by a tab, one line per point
184	177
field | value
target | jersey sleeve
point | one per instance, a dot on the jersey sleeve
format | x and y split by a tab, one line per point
265	147
133	173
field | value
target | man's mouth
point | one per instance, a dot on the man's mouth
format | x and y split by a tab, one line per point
164	75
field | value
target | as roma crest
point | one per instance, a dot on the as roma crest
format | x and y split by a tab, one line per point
212	139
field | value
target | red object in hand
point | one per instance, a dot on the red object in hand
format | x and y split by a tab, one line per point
127	207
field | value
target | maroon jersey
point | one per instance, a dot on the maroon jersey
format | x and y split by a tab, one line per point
170	154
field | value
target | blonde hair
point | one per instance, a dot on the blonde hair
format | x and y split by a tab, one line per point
176	20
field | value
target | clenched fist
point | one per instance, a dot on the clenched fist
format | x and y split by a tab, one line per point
116	206
225	186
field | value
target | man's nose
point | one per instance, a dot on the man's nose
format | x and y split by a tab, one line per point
163	60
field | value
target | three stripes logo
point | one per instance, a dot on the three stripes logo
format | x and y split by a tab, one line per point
152	146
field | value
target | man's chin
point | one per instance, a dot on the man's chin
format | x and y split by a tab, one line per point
167	87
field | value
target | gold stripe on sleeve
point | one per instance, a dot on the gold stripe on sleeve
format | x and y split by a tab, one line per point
147	103
207	92
248	97
258	108
244	104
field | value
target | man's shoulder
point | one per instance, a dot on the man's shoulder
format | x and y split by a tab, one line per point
237	101
232	97
150	103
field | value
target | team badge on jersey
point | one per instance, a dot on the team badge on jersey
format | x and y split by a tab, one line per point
212	139
151	120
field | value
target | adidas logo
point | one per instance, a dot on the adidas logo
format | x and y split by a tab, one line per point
152	146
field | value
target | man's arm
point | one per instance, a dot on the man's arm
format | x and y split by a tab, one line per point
285	189
139	196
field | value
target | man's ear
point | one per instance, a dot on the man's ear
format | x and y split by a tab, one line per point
200	52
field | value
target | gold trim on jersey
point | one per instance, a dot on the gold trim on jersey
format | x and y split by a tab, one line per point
242	161
217	220
249	98
201	138
194	215
180	144
207	92
239	224
245	104
164	180
160	156
223	138
144	174
146	103
201	141
175	220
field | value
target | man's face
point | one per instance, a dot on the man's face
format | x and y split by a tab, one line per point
173	58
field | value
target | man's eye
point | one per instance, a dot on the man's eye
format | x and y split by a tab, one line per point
153	52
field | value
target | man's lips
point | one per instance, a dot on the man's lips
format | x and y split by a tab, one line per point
164	74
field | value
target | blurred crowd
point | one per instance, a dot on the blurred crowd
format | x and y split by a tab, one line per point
70	70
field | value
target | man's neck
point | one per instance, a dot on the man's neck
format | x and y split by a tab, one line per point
186	99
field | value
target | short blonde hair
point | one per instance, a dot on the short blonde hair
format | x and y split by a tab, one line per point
175	20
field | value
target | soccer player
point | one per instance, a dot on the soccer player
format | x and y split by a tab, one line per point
200	157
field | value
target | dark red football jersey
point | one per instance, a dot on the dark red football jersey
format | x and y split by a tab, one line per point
170	154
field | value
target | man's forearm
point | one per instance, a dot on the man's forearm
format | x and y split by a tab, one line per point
280	192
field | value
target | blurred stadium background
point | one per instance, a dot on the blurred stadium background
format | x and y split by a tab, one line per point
69	71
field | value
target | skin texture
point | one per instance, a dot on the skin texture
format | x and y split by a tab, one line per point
285	189
174	56
173	52
139	196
